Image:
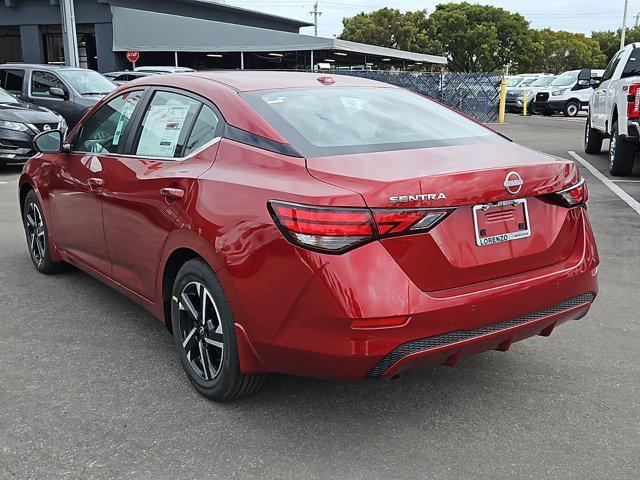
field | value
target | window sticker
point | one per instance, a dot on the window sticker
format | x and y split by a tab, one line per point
162	129
125	116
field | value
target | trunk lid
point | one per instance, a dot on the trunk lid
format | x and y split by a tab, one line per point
463	176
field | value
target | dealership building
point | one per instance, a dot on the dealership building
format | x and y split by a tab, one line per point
201	34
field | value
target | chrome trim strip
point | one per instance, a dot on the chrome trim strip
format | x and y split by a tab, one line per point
155	159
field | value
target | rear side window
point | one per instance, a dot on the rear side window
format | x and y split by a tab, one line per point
632	68
41	82
166	125
12	80
344	120
103	131
204	130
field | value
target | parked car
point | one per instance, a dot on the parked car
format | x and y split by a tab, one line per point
306	224
614	111
71	92
120	78
163	69
515	96
566	93
20	122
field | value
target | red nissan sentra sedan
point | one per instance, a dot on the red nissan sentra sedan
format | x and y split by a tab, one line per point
332	227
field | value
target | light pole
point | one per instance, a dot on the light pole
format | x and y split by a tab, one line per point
624	24
69	37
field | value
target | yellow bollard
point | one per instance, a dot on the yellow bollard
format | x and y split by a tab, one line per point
503	100
524	106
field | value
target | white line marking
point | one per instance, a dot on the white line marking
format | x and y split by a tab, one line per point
4	183
626	181
612	186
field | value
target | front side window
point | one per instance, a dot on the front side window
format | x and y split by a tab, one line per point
513	81
12	80
88	82
104	130
41	82
344	120
204	130
166	125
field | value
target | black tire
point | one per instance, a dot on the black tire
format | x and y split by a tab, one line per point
571	108
214	368
622	154
35	227
534	111
592	138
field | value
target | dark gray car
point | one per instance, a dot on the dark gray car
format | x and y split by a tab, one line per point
19	123
71	92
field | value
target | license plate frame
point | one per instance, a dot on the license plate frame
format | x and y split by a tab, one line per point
507	236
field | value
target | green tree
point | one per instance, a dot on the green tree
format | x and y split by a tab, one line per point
483	38
610	41
568	51
390	28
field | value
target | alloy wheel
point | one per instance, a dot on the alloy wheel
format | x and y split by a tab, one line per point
36	234
201	330
572	110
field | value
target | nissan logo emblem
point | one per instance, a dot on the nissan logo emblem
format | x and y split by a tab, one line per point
513	183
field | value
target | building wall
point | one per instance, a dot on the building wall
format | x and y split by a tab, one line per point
30	15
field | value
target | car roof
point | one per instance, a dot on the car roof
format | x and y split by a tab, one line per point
39	66
244	80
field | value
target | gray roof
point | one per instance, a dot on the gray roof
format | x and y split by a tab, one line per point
160	32
246	11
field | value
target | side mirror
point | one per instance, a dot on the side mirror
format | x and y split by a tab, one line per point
584	75
57	92
50	142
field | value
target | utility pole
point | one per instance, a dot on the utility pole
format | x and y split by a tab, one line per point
315	14
69	36
624	24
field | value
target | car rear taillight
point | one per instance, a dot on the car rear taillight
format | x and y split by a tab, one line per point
339	229
573	196
633	101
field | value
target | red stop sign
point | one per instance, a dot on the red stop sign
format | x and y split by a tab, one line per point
133	56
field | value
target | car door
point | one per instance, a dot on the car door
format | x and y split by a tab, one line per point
175	142
599	104
77	179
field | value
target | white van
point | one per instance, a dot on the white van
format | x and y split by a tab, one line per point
566	94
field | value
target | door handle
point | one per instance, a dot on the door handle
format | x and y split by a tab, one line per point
95	182
172	192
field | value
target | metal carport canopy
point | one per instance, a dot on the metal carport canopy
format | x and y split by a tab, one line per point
161	32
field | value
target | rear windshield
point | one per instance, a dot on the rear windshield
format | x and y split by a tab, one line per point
343	120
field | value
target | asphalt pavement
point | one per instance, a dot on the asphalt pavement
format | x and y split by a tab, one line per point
90	386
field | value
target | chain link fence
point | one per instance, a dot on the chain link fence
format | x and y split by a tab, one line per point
474	94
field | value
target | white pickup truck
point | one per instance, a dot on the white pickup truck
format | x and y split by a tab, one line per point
614	111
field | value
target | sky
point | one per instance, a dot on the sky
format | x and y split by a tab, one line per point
581	16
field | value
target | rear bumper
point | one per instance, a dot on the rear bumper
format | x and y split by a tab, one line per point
633	132
297	309
449	347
